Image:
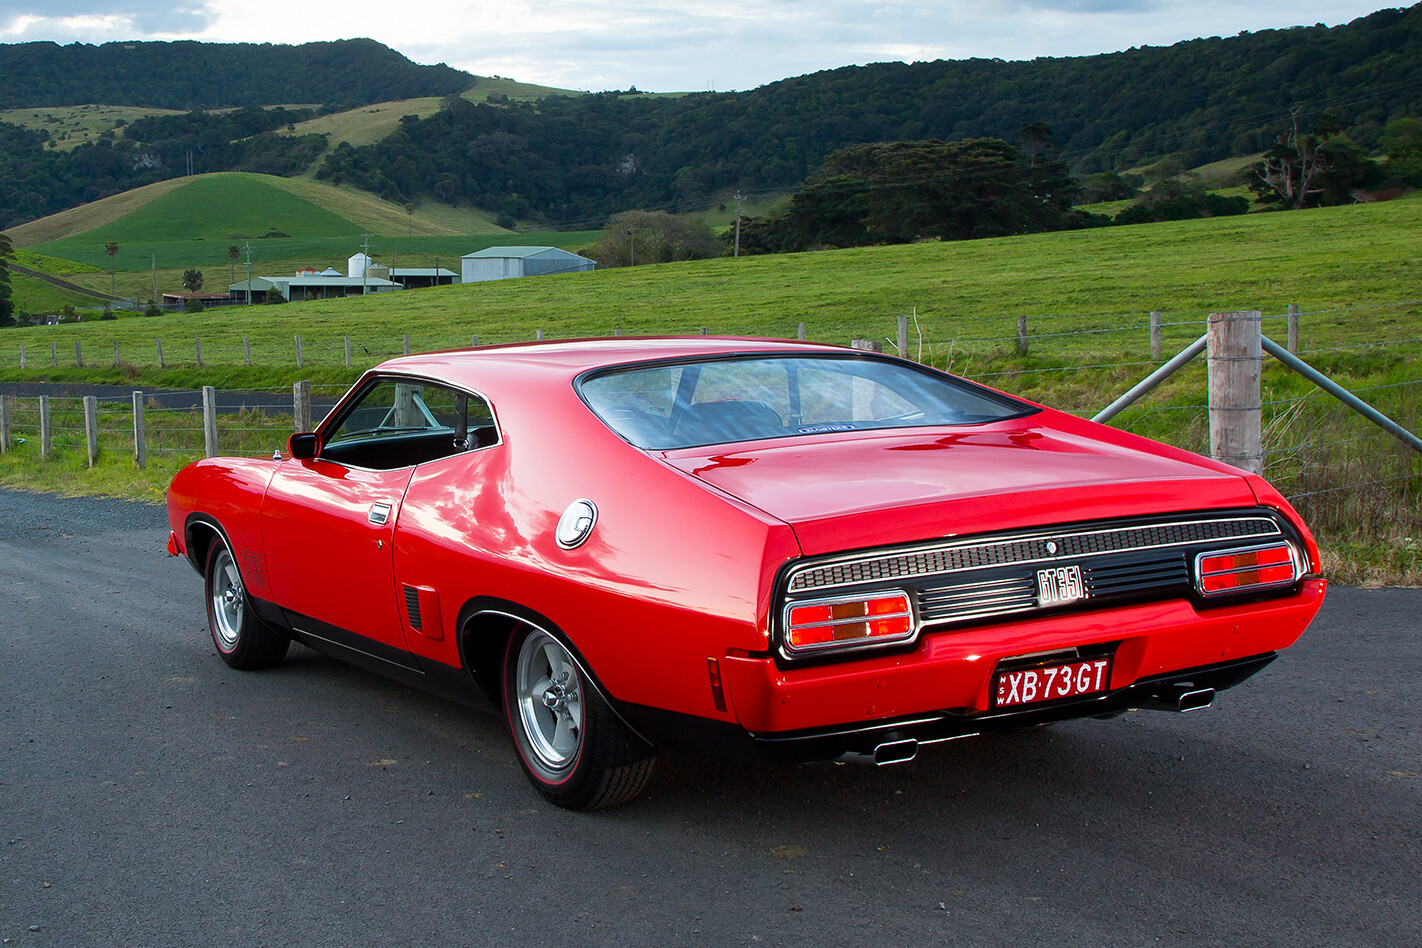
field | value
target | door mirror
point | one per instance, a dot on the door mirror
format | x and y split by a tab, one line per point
304	445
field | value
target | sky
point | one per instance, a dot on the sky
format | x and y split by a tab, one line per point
681	46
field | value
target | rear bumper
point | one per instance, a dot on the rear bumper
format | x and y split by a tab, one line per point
903	734
952	672
831	743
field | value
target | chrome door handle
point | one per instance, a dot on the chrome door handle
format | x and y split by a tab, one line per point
380	514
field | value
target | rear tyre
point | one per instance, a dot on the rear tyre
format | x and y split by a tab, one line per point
572	746
243	640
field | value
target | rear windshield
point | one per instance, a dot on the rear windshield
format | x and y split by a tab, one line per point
686	404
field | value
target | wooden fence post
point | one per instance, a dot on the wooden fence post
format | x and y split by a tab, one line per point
197	348
1022	335
78	355
7	405
298	352
22	355
91	427
476	340
140	436
800	332
46	448
868	345
538	335
1293	339
705	331
209	420
159	343
54	355
1235	355
246	350
407	343
301	405
903	337
1155	335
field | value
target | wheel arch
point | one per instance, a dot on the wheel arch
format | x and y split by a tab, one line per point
199	532
485	625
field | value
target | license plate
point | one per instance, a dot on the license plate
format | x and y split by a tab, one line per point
1059	585
1052	682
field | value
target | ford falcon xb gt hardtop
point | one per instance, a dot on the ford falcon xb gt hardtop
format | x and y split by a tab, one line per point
757	548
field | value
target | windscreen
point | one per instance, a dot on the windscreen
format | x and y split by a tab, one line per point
687	404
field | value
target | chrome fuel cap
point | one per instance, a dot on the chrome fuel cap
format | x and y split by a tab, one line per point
576	524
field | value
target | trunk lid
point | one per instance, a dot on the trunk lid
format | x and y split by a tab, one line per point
842	492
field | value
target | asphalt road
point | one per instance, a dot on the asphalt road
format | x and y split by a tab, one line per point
150	796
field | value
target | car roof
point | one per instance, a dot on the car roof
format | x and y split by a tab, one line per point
568	358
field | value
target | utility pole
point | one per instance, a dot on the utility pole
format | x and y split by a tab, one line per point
155	278
247	249
739	198
365	262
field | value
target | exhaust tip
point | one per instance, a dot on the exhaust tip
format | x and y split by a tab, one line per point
1179	699
895	752
1196	700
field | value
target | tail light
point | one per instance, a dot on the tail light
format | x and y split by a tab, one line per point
1237	571
877	619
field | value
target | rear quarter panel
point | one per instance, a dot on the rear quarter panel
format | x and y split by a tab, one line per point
673	574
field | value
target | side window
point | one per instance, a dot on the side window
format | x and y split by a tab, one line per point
399	423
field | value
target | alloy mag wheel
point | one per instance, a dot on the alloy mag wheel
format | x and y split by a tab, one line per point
549	695
228	601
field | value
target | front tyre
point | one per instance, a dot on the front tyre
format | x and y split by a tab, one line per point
243	640
577	752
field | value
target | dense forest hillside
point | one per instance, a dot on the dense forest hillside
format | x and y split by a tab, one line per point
189	75
574	158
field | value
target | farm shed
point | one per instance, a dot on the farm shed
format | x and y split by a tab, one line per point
319	287
504	263
412	277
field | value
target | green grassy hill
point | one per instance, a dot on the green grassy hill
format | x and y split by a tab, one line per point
70	126
215	207
190	223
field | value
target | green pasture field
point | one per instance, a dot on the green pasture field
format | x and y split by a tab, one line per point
1355	273
1325	260
486	86
70	126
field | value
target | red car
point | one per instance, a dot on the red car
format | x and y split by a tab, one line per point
756	548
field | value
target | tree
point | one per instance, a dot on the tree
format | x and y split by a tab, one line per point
1313	168
1402	143
634	237
897	192
7	305
233	253
192	280
1046	170
111	249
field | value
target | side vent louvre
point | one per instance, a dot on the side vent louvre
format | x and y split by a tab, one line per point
412	606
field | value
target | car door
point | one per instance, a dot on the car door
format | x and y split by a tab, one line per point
328	522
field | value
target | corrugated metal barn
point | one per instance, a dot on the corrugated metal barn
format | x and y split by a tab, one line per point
504	263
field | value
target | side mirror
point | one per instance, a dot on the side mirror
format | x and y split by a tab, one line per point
304	445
